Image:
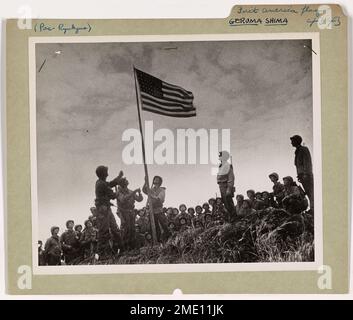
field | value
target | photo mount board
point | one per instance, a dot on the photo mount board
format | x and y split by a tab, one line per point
288	20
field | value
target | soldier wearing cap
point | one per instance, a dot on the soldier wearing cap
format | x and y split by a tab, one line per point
278	188
304	167
106	223
225	180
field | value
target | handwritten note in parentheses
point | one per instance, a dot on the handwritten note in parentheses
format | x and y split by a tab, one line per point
66	29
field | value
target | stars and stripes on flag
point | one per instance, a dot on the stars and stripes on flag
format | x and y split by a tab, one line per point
164	98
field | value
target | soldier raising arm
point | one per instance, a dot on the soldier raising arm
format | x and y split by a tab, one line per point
104	193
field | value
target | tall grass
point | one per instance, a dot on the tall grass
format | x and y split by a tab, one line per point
268	236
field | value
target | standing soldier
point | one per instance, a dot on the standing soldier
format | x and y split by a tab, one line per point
157	196
52	248
126	204
69	242
106	223
304	167
41	255
225	180
88	240
251	196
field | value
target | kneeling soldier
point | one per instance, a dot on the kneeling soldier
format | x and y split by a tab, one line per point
294	201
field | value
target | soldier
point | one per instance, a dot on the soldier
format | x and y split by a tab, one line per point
212	203
69	243
126	204
258	203
182	209
240	200
294	201
88	240
172	228
41	255
278	188
156	195
225	180
268	200
183	217
183	223
139	237
246	209
191	215
170	215
52	248
106	223
251	196
206	208
304	167
143	221
78	230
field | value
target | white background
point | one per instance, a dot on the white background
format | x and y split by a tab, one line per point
135	9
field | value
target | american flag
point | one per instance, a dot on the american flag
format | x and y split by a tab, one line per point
164	98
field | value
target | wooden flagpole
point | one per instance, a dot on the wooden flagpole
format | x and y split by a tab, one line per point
149	202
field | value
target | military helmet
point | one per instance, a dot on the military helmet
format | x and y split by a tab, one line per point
54	228
69	221
289	178
102	171
274	174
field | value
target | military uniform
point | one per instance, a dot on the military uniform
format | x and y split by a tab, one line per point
106	223
52	251
294	201
278	192
303	164
157	199
88	241
41	256
225	180
126	205
70	245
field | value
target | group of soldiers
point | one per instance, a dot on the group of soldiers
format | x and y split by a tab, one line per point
289	195
101	236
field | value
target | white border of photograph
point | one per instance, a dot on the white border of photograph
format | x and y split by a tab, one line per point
174	268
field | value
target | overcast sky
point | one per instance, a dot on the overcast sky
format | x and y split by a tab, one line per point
260	90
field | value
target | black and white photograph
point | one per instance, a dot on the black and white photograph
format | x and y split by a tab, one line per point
176	152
